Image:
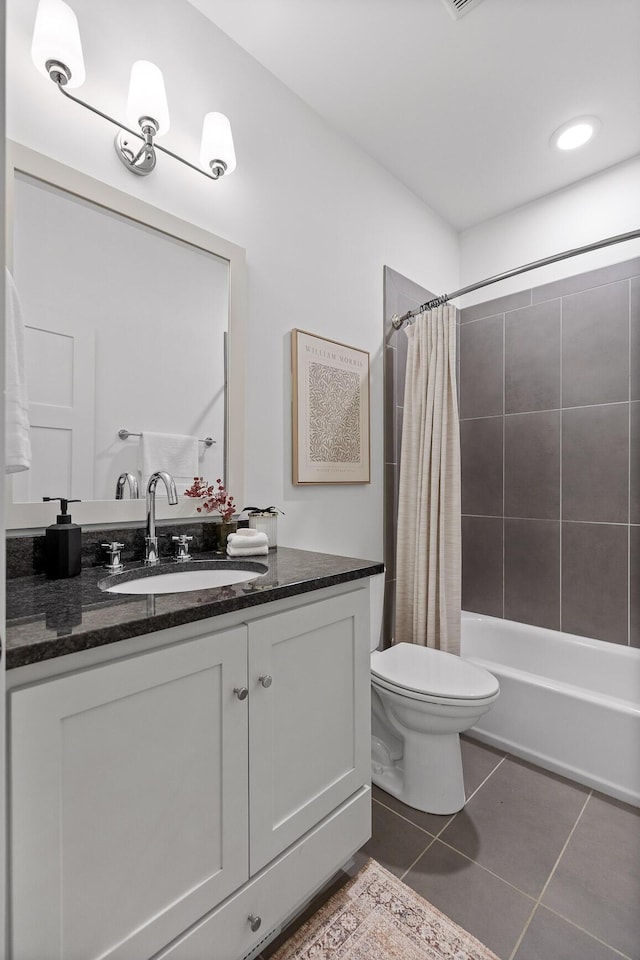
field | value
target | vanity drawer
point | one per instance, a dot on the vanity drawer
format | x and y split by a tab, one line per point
283	886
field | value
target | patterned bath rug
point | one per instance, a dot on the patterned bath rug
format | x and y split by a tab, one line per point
377	917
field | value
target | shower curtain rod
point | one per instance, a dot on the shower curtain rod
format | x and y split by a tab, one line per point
445	297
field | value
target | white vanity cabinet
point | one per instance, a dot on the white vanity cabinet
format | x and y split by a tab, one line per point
182	801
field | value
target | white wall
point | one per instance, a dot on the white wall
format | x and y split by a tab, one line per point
601	206
318	219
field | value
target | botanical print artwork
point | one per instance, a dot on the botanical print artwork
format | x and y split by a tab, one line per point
330	411
377	917
334	414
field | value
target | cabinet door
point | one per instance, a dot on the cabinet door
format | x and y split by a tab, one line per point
129	801
309	730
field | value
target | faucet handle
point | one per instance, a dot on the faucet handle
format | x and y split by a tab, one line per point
113	548
182	551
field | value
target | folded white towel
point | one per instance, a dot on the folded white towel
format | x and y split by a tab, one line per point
252	551
175	453
249	538
17	439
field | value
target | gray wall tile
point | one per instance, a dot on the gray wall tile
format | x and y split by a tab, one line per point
400	295
634	586
595	580
401	344
481	455
532	465
585	281
532	572
595	346
511	301
481	368
399	420
390	517
634	347
389	405
482	570
634	464
595	459
532	358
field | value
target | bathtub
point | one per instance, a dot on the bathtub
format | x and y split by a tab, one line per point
567	703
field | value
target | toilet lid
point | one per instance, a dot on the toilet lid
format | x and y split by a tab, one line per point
432	672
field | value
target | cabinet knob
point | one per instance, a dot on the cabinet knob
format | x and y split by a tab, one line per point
254	922
241	693
265	680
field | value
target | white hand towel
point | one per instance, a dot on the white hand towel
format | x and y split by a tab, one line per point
17	440
253	551
173	452
249	538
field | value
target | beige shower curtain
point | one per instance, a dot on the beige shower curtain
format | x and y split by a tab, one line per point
428	575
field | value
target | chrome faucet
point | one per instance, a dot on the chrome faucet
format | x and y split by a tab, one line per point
151	541
134	491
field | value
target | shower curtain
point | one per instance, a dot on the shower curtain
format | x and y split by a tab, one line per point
428	574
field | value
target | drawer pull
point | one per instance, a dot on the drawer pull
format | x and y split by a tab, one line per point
265	680
254	922
241	693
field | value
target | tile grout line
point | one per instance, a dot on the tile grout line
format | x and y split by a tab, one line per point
406	819
420	855
549	878
588	933
479	787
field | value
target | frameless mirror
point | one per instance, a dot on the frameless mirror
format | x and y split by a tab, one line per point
133	322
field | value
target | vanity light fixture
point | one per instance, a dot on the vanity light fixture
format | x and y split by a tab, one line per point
575	133
56	51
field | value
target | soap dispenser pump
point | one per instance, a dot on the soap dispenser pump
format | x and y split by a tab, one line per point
63	544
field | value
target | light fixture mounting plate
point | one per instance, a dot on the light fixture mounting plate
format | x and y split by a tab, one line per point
134	153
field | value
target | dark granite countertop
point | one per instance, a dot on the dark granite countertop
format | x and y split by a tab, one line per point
51	618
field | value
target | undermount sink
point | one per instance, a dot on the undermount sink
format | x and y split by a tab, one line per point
196	575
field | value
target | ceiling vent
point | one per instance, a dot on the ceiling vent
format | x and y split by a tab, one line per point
458	8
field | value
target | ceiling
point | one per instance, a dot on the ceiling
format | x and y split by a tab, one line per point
460	111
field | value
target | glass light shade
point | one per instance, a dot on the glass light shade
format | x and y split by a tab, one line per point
56	36
147	97
217	142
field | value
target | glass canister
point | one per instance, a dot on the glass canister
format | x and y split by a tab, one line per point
266	521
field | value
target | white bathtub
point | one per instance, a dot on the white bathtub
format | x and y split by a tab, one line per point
567	703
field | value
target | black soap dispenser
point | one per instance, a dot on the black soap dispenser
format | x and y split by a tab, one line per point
63	544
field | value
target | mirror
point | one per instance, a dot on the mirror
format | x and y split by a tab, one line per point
133	322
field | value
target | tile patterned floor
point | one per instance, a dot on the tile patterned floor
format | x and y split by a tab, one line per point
536	866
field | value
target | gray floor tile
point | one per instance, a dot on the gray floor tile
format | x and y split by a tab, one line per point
597	882
478	761
518	823
394	843
549	937
484	905
431	822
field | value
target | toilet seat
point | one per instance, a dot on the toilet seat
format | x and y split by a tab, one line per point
423	673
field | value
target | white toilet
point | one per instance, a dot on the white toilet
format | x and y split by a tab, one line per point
421	700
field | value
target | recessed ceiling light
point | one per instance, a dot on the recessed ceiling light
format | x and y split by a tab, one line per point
575	133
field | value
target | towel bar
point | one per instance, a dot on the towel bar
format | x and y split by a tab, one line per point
125	434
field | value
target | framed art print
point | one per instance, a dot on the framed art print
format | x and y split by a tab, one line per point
330	411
